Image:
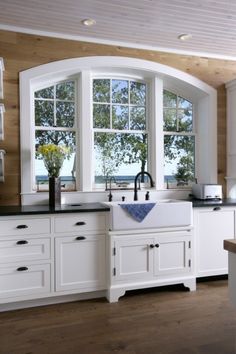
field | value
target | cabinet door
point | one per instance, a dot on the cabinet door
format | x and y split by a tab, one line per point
80	263
172	255
133	259
212	227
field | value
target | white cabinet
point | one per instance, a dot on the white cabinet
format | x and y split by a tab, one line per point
46	256
156	258
80	263
212	226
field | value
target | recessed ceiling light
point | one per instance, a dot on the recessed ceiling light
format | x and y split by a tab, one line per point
184	36
88	22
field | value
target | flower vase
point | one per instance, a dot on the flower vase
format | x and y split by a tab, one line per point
54	192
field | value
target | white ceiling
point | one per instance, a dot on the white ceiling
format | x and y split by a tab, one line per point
148	24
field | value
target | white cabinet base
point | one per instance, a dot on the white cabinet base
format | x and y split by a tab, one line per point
116	291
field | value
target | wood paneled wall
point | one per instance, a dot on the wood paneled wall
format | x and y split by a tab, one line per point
23	51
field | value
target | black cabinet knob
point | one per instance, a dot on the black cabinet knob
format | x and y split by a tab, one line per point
80	223
22	269
22	227
152	246
80	238
157	245
217	208
22	242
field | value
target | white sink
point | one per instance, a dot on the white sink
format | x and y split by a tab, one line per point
165	213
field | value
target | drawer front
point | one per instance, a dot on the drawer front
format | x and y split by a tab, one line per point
23	281
80	222
24	227
23	249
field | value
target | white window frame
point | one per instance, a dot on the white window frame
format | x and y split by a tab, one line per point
203	97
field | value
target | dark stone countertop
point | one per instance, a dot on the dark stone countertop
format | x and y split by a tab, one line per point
197	203
44	209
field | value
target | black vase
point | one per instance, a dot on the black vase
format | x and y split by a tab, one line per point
54	192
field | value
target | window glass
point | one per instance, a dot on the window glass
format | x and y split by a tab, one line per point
179	143
101	90
117	154
55	124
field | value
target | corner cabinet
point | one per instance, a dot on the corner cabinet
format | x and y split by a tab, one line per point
46	257
148	259
212	226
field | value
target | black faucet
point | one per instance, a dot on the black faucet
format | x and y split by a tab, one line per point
136	179
110	195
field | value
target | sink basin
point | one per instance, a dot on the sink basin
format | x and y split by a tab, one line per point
165	213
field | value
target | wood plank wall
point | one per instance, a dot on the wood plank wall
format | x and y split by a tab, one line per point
23	51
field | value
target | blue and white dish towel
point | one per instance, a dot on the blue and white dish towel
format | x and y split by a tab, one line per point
138	211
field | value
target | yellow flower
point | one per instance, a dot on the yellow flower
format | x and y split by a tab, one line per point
53	157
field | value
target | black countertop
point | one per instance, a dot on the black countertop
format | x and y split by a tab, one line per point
45	209
197	203
93	207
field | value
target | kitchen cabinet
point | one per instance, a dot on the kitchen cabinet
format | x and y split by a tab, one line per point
212	226
48	256
148	259
80	262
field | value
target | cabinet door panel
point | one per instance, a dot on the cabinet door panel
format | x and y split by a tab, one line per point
80	262
172	256
134	259
212	228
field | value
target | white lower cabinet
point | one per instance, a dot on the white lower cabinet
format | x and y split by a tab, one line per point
80	262
212	226
151	259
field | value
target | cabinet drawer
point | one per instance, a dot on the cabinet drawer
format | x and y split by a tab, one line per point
22	281
80	222
23	249
24	227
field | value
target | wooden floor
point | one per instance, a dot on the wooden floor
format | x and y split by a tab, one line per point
168	320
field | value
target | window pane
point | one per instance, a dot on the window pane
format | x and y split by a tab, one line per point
67	172
169	99
183	103
179	159
185	121
45	93
101	90
120	91
137	93
66	91
137	118
120	117
101	116
65	114
120	155
44	113
170	120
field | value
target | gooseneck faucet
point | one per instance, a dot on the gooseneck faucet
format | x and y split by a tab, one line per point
136	180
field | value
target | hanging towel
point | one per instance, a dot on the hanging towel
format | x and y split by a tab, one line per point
138	211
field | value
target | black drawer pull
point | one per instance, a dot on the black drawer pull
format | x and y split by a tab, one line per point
22	227
80	223
22	269
80	238
217	208
22	242
152	246
157	245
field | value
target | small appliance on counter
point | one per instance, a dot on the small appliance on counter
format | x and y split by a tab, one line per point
207	191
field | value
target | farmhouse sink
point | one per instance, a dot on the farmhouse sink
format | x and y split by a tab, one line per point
165	213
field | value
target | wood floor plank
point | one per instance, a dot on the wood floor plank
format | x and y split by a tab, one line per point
168	320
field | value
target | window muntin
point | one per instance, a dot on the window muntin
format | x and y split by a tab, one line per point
55	123
120	129
179	141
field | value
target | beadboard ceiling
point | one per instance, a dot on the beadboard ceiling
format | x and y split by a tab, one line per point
148	24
